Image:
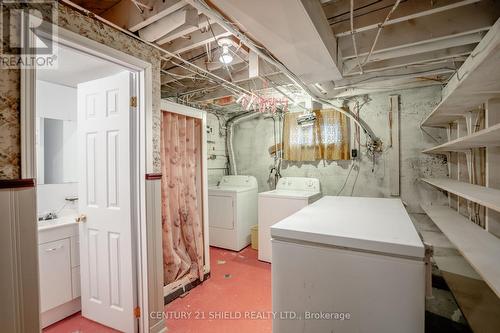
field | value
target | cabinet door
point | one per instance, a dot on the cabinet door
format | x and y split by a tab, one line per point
55	273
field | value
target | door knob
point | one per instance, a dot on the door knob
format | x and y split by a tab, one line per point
81	219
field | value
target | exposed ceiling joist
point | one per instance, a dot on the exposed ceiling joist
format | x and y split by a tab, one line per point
184	30
382	86
417	48
197	39
455	53
254	85
424	28
406	11
127	16
186	17
290	30
209	66
384	76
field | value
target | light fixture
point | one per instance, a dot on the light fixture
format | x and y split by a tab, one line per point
306	119
225	57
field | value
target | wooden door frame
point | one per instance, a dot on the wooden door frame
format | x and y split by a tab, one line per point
141	139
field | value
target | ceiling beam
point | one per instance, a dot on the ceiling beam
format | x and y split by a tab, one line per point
290	30
435	26
430	45
457	53
253	84
127	16
186	17
339	11
184	30
400	83
406	11
196	39
209	66
385	76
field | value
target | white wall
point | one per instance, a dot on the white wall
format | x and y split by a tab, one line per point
253	138
50	198
56	102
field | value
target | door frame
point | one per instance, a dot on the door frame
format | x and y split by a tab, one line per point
167	106
141	139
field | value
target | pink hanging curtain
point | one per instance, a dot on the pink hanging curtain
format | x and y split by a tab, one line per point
181	205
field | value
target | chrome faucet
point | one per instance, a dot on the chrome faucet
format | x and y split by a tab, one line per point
48	216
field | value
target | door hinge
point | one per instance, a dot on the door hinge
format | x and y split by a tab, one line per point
133	101
137	312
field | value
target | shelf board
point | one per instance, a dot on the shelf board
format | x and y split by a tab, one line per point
485	196
476	81
488	137
477	246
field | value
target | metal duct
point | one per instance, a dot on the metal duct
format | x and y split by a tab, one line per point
229	137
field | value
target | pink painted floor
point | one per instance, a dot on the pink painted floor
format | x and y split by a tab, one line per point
77	324
236	298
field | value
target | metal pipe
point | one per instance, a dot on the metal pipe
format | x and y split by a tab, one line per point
396	4
229	137
205	9
202	7
157	47
353	37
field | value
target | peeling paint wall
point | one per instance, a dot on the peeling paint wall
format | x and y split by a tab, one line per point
93	29
253	138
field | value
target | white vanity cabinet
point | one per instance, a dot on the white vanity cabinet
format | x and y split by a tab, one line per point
54	260
59	271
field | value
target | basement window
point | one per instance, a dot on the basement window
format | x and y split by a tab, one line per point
327	138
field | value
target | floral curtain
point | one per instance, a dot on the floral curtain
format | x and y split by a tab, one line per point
181	201
326	139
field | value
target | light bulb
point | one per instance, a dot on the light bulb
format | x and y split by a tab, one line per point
226	58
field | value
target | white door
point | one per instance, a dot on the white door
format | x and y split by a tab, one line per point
107	269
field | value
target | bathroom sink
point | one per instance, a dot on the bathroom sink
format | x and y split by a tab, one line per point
55	223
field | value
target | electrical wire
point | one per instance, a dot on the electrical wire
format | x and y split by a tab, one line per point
346	179
353	36
202	6
379	30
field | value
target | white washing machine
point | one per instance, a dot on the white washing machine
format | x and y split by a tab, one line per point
232	211
291	194
348	265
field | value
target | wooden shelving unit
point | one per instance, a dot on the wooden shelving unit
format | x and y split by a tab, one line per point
485	196
472	93
488	137
475	81
477	246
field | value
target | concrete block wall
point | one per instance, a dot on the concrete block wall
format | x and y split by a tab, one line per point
216	145
253	138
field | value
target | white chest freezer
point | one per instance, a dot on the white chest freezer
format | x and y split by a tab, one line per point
345	264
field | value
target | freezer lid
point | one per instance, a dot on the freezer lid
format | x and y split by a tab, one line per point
367	224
